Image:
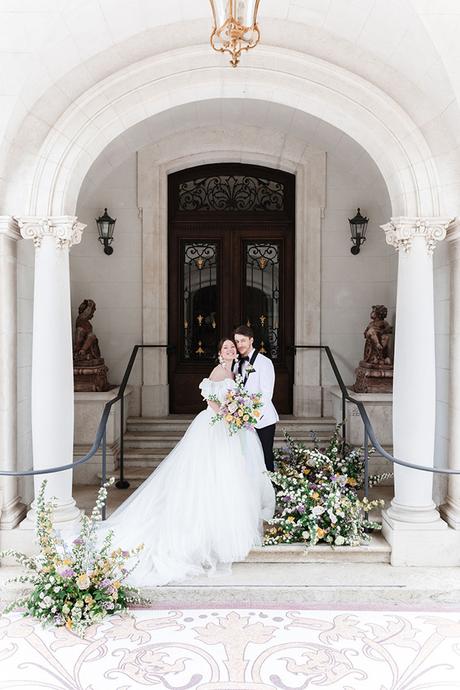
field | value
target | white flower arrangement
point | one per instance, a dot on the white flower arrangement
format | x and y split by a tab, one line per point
74	586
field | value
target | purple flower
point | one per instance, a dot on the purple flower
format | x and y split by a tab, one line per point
65	571
300	508
125	554
77	541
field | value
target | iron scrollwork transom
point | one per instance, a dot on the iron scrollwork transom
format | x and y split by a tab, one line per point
231	193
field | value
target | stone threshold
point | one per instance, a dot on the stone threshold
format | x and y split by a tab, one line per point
258	584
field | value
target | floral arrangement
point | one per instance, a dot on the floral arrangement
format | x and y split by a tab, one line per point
317	496
239	409
74	585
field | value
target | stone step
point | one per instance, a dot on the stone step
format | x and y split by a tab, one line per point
377	551
181	422
378	586
139	439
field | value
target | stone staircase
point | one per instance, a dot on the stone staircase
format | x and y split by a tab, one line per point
149	439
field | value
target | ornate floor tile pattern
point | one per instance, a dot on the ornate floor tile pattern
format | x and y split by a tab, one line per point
238	649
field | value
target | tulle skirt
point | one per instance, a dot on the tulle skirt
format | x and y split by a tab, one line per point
200	510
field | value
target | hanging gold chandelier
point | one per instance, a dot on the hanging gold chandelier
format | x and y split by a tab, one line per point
235	27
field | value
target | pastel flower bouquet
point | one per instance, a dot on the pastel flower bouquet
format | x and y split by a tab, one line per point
74	585
239	409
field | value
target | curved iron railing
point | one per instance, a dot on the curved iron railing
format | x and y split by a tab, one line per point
368	433
101	433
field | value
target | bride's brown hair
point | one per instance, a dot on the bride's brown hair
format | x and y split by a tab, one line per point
221	342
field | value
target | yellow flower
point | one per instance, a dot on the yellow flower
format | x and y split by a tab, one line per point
240	413
117	584
351	481
83	581
68	623
320	532
315	495
88	599
256	413
246	417
291	519
228	418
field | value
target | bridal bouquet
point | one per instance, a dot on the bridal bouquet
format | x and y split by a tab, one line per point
78	585
240	409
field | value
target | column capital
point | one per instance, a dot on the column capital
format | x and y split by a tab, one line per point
66	230
9	227
402	230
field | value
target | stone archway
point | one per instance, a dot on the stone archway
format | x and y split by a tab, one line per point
49	183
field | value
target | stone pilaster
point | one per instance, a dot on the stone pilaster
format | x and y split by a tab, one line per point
412	511
11	509
52	366
451	509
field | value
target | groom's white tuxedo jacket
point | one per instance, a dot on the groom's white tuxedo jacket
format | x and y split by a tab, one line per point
262	380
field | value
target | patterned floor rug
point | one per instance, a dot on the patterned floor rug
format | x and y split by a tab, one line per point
238	649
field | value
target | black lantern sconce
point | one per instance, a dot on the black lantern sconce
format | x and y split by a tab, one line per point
358	227
105	226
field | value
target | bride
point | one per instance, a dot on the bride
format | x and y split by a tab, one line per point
204	506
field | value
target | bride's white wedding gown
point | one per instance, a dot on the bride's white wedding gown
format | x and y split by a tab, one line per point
202	508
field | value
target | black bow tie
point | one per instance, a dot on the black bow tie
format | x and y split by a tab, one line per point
244	359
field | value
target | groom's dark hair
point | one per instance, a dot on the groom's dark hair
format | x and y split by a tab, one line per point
244	330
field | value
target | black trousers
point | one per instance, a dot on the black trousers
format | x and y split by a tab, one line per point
267	436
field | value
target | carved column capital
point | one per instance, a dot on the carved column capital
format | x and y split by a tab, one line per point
9	228
66	230
402	230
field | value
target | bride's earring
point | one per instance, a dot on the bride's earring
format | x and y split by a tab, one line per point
221	361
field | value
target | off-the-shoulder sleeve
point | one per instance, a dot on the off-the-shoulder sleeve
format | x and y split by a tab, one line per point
208	388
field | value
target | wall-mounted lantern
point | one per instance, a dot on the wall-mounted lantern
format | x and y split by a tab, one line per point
105	226
358	227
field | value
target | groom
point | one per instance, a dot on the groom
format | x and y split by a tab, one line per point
259	377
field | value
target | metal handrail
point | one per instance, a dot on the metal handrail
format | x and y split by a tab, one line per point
365	418
101	433
122	483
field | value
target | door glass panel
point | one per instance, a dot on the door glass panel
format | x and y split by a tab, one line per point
262	294
200	299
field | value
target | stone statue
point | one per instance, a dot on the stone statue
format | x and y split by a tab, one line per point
86	347
90	372
377	336
375	371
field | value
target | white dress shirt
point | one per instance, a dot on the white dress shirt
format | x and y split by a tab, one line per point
262	380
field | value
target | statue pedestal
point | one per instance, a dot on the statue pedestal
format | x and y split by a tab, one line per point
91	377
379	407
372	378
88	411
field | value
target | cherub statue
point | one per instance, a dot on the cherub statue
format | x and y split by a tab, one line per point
86	347
377	336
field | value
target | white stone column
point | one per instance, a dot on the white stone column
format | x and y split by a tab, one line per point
414	392
11	509
52	366
451	509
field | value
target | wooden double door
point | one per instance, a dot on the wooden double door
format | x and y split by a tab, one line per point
231	262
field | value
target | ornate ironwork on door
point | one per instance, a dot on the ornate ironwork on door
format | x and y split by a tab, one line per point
200	299
231	193
230	261
262	294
